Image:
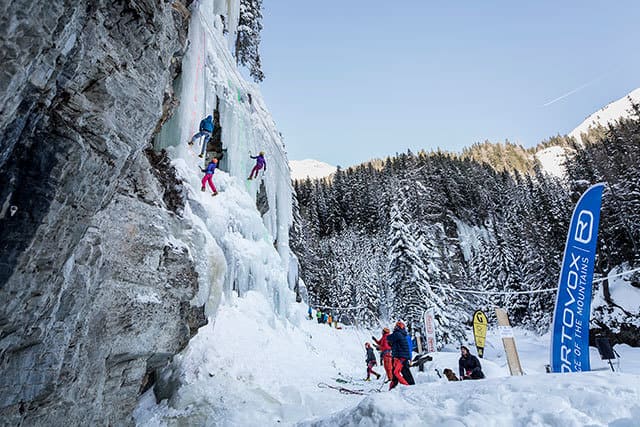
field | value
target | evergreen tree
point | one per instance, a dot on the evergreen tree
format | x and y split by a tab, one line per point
248	38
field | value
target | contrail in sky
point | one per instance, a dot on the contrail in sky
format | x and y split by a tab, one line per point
579	88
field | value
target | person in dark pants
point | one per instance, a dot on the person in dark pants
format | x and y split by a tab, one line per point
469	365
206	129
400	352
371	362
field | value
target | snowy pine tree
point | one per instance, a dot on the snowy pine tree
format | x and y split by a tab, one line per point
248	38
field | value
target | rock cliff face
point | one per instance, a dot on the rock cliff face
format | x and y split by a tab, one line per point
94	295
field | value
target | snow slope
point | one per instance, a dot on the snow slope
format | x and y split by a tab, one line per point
555	400
301	169
552	159
608	114
254	368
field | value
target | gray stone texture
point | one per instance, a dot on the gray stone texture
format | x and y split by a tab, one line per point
94	292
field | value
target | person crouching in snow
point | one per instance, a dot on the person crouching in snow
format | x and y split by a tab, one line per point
208	176
385	352
371	362
260	163
469	365
400	353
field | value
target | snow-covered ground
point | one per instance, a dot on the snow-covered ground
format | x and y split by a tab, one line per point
301	169
254	368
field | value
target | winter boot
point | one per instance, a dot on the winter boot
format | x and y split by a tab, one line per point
201	155
214	194
203	189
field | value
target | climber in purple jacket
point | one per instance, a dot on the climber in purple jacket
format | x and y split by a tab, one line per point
260	163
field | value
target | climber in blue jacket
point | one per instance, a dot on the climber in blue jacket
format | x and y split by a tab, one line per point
206	130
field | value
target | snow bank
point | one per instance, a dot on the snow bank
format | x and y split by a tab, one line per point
623	293
544	400
253	368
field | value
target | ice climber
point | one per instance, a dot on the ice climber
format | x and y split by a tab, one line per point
371	362
400	353
206	130
385	352
469	365
208	176
260	163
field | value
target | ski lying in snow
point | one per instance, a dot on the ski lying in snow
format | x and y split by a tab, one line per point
345	390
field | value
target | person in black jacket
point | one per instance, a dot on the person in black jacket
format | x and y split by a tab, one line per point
469	365
401	356
371	362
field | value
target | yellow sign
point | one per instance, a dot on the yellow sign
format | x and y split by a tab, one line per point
480	324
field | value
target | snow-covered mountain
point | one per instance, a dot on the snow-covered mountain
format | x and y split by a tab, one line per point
607	114
301	169
551	158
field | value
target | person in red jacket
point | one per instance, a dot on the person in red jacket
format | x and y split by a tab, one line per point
385	352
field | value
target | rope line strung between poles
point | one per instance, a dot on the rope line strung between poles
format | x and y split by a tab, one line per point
536	291
471	291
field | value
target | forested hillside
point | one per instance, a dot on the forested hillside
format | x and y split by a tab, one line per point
420	231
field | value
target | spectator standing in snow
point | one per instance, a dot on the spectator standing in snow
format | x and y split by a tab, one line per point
206	130
400	353
385	352
310	313
469	365
371	362
319	315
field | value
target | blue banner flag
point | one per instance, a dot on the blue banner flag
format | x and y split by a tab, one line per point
570	330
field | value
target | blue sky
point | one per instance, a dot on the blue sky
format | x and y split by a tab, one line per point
351	80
